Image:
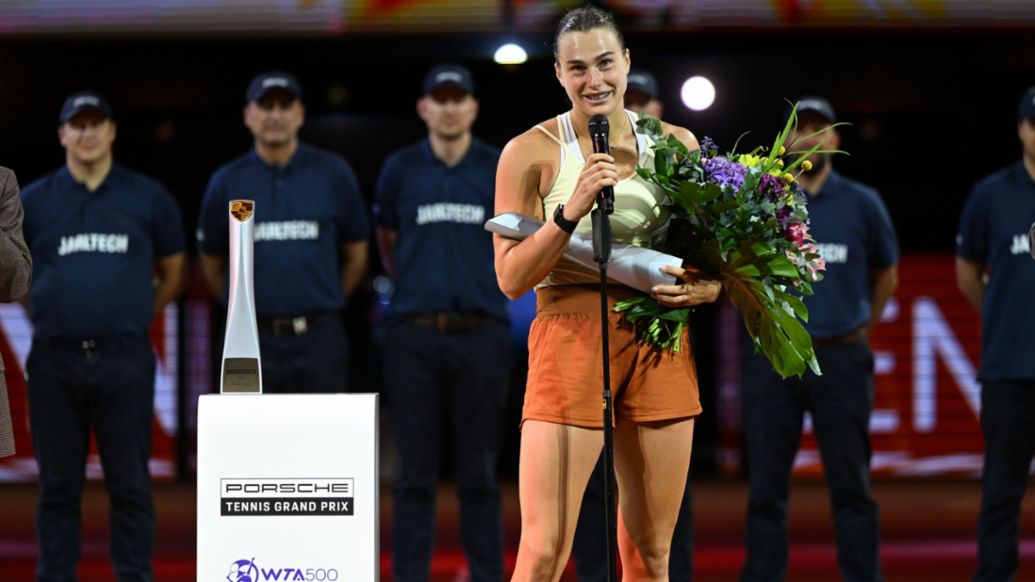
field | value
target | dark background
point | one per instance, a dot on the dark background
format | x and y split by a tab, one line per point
931	112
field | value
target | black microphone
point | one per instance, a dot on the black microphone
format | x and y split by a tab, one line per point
599	130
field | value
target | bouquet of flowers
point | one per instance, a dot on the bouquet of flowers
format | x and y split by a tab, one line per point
740	219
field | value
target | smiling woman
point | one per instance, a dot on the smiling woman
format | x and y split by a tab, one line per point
552	169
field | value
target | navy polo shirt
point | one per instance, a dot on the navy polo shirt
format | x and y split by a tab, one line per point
855	236
994	232
443	254
93	253
303	213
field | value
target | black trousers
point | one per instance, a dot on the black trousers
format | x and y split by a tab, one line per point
840	402
426	369
1008	424
106	387
315	362
589	547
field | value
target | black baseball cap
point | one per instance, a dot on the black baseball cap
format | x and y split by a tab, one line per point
642	82
272	81
1026	108
817	105
81	101
448	75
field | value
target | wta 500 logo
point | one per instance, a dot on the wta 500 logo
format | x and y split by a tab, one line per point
248	571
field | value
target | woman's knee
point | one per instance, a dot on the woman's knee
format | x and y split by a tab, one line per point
650	562
540	561
655	561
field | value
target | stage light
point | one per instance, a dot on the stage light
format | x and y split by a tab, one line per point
510	54
698	93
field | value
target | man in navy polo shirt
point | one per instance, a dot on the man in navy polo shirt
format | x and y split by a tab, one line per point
993	238
97	231
856	237
448	342
310	240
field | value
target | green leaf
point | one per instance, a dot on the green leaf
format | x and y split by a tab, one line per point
781	265
797	305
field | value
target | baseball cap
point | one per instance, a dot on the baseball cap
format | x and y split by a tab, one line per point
642	82
1026	108
272	81
448	75
817	105
80	101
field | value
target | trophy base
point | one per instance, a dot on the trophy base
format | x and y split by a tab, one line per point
241	375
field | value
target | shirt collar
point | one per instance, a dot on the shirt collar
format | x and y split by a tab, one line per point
832	184
292	164
430	157
1021	175
67	180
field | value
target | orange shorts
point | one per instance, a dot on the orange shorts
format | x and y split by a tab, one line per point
565	374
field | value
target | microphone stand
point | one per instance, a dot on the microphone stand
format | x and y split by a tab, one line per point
602	238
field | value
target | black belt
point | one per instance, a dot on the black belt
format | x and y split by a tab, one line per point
90	345
450	321
290	325
846	339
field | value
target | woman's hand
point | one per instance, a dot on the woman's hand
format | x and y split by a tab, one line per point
693	291
599	172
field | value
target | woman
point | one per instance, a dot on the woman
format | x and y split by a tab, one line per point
550	172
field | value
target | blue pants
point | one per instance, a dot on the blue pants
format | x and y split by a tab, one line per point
840	401
469	371
109	389
314	362
1008	423
589	546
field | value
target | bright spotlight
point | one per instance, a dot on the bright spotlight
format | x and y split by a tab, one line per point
698	93
510	54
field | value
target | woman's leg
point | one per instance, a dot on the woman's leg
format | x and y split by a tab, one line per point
651	460
556	461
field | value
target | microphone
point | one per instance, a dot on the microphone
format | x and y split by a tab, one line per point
599	129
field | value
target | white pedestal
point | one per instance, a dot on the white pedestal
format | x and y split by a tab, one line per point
288	488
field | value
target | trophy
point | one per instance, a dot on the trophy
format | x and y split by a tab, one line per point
242	370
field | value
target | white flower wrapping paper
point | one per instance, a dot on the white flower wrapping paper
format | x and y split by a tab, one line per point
630	265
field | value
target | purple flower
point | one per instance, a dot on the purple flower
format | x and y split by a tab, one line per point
783	215
772	187
708	145
723	173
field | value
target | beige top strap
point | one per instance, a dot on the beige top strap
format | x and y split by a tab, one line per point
552	136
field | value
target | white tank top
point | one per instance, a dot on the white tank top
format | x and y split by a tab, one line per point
640	214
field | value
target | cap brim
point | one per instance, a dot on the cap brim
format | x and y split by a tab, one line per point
451	85
815	111
259	95
106	114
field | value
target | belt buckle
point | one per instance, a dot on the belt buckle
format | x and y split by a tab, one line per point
451	322
442	322
290	326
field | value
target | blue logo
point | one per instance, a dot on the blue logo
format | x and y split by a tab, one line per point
243	571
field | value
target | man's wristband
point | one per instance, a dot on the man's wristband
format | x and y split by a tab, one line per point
566	225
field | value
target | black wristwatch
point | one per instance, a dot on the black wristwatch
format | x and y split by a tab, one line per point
566	225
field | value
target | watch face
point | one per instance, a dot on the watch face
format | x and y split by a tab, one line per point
566	225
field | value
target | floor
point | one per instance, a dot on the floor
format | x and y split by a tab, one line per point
927	532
